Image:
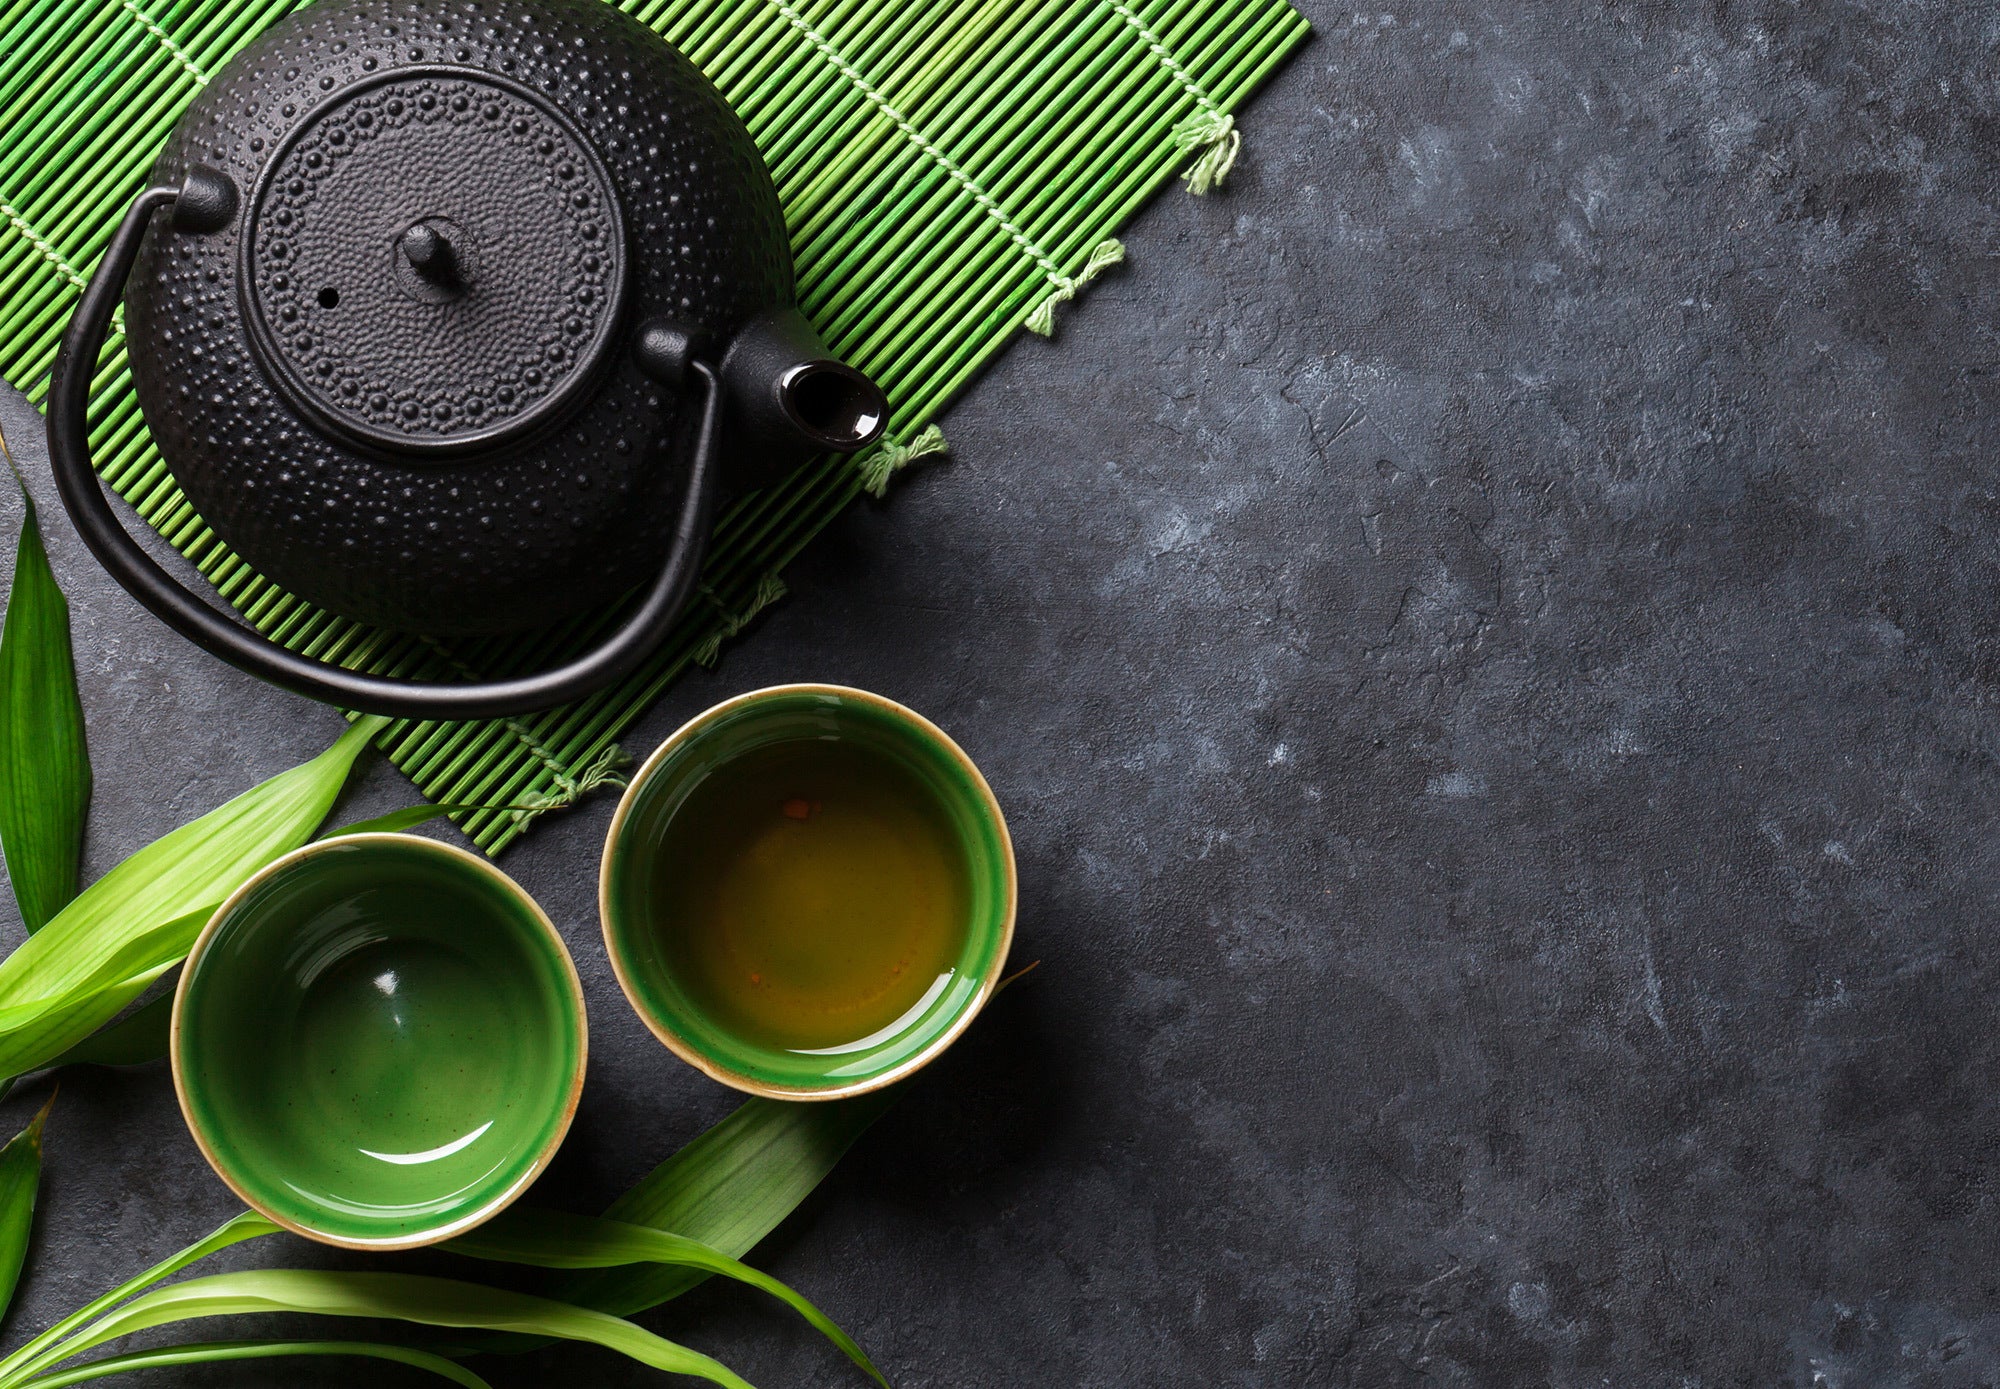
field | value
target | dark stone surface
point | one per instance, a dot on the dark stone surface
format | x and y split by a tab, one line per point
1486	634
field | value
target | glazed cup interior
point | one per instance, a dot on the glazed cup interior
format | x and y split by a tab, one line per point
630	889
379	1041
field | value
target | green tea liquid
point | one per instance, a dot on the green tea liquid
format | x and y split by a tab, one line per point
811	894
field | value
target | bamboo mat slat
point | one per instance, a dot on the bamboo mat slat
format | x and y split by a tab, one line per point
953	171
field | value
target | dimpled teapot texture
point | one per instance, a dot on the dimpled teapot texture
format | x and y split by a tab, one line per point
587	177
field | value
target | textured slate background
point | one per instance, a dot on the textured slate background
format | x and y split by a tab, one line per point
1485	632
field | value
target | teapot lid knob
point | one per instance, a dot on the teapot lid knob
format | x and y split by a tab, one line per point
432	255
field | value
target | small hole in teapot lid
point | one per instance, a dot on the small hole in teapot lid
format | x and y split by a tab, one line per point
329	298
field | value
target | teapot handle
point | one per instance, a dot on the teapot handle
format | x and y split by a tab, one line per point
205	198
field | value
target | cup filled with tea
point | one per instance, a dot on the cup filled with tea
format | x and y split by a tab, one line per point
808	891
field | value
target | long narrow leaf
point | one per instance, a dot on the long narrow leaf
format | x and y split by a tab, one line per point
396	821
728	1189
20	1180
44	764
553	1239
83	1017
55	989
142	955
133	1040
137	1038
410	816
40	1352
408	1297
204	1352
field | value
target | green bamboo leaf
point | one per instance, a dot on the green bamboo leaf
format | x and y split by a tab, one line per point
553	1239
130	926
83	999
146	954
84	1017
133	1040
408	1297
396	821
40	1352
409	817
204	1352
20	1179
136	1039
728	1189
44	763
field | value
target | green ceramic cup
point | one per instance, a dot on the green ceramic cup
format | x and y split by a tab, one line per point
379	1041
705	747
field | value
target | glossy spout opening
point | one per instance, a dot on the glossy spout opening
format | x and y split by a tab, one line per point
791	398
833	405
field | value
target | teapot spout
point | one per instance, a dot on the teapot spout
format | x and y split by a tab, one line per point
790	398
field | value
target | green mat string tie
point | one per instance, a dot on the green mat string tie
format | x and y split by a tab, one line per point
166	42
1103	256
41	244
1210	129
56	259
1042	320
602	770
770	589
878	467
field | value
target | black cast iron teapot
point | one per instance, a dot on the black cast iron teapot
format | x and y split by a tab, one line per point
454	318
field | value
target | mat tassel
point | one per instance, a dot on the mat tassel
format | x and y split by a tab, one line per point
602	771
770	589
1214	133
892	457
1103	256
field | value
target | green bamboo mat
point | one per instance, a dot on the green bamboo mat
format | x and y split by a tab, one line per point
952	171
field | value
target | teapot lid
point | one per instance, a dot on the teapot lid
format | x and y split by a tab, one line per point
434	261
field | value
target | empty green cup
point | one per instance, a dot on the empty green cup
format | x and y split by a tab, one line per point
635	882
379	1041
